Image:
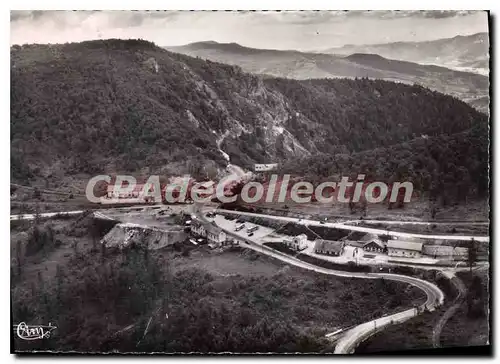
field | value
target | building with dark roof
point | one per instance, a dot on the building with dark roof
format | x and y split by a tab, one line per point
372	243
375	246
329	247
214	234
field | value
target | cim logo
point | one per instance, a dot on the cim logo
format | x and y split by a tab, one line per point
33	332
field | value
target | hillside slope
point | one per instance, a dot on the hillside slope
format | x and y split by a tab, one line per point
469	87
129	106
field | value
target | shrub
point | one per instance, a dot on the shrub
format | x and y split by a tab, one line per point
40	238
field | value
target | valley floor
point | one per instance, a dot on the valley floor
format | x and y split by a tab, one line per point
179	298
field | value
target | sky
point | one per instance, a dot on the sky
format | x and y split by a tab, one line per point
306	30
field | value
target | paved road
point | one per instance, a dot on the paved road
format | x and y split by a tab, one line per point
349	341
353	337
46	214
77	212
362	229
401	222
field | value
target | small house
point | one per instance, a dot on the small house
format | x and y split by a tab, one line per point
215	235
374	246
197	228
329	247
372	243
297	243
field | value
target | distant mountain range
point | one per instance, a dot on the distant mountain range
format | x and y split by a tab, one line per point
113	106
464	53
470	87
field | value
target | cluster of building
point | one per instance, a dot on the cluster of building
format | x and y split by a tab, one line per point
371	243
368	243
214	235
145	192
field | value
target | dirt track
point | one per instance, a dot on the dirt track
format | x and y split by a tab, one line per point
462	291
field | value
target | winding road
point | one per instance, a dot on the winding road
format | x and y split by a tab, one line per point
355	335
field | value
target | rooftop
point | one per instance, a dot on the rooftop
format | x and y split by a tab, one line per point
408	245
369	237
328	245
138	187
212	228
377	242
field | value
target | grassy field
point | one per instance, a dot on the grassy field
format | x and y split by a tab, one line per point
179	299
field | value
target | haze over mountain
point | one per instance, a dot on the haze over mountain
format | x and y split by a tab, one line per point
464	53
129	106
469	87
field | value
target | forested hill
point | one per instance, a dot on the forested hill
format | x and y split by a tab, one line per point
447	168
128	105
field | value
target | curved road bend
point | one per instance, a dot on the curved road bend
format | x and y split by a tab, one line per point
343	226
357	334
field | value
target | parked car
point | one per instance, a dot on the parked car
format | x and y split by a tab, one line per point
238	228
250	234
252	229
